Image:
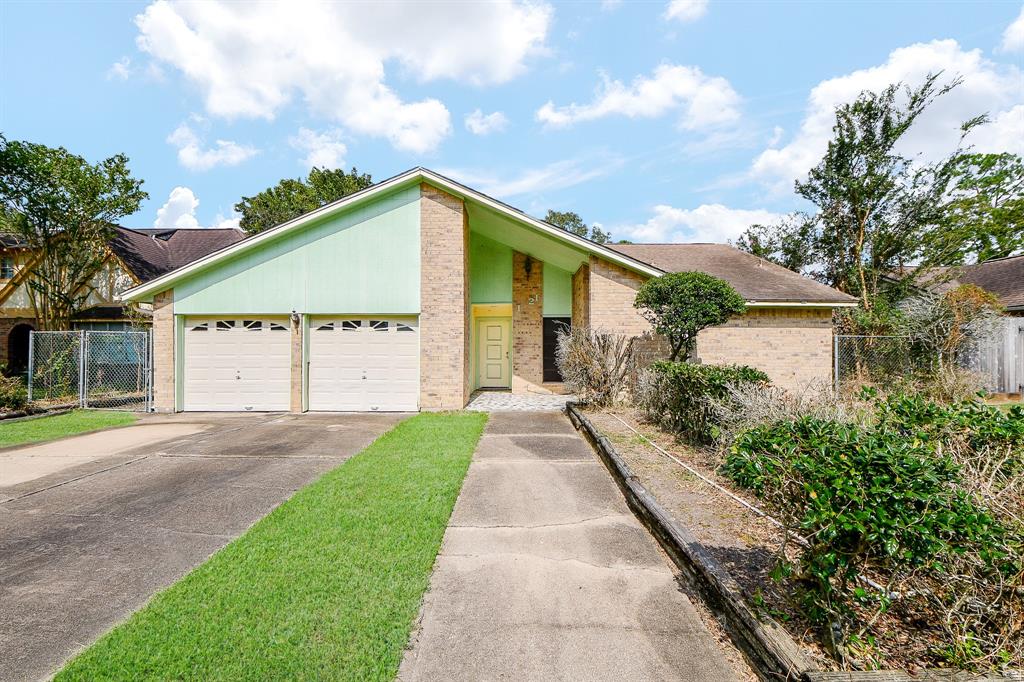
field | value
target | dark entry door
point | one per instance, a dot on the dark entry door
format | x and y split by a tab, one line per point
551	327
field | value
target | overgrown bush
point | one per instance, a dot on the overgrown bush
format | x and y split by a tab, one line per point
596	366
925	498
680	396
13	395
747	405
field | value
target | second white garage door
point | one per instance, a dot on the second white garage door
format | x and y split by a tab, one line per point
364	364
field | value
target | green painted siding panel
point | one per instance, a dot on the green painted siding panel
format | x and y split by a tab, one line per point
557	291
366	260
490	270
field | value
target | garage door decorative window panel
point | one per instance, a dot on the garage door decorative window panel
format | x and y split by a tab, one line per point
364	365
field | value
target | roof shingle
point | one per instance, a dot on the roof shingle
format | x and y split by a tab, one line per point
755	279
150	253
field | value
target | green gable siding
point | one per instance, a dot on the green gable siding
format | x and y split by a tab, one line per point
490	270
557	291
365	260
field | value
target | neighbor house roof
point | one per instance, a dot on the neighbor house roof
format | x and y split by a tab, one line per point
150	253
1004	277
755	279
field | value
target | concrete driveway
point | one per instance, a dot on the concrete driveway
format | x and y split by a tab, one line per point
91	527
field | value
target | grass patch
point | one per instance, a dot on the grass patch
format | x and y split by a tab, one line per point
325	587
60	425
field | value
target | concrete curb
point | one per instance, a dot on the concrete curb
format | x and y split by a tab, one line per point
770	650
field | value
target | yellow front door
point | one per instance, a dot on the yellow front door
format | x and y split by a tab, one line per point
493	361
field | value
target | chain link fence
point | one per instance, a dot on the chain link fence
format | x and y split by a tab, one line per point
98	369
889	360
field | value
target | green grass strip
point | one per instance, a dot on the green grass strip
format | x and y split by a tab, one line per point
325	587
60	425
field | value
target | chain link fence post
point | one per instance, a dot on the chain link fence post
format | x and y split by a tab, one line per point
31	363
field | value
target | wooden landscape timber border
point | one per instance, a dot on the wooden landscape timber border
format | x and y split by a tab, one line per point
770	650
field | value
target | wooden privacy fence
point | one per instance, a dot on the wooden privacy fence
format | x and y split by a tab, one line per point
1002	361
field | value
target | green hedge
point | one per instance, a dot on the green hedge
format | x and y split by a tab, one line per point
678	395
892	495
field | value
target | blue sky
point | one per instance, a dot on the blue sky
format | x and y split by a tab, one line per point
662	121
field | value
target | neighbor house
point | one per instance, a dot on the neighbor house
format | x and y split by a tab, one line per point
1003	277
417	291
134	257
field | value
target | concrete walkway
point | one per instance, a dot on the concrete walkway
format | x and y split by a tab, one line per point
544	574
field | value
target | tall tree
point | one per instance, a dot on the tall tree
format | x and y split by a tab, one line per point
63	207
291	198
873	204
983	217
572	222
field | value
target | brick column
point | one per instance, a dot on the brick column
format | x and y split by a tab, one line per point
527	325
581	297
296	368
444	301
163	351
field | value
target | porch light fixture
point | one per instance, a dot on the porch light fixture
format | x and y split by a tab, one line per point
528	266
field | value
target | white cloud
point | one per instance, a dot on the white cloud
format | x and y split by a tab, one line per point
250	60
706	223
686	11
120	70
231	222
179	210
480	124
323	150
193	156
702	101
557	175
987	86
609	5
1013	36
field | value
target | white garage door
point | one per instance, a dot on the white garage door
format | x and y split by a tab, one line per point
237	364
367	364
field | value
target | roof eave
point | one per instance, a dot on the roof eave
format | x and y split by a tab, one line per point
801	304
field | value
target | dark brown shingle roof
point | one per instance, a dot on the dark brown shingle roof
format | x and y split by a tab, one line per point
753	278
1004	277
152	252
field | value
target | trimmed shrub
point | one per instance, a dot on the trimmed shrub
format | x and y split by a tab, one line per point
13	394
680	396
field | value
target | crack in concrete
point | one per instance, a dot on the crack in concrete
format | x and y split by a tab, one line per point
522	526
659	570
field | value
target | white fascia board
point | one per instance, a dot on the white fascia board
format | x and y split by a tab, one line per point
415	175
799	304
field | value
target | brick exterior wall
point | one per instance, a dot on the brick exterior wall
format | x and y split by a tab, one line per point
612	290
793	346
444	301
527	325
163	351
581	297
6	325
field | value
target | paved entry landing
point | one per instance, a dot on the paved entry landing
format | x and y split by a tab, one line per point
506	401
544	574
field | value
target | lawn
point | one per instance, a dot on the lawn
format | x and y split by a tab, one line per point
325	587
60	425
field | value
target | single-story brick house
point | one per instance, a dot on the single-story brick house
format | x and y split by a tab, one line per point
415	292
